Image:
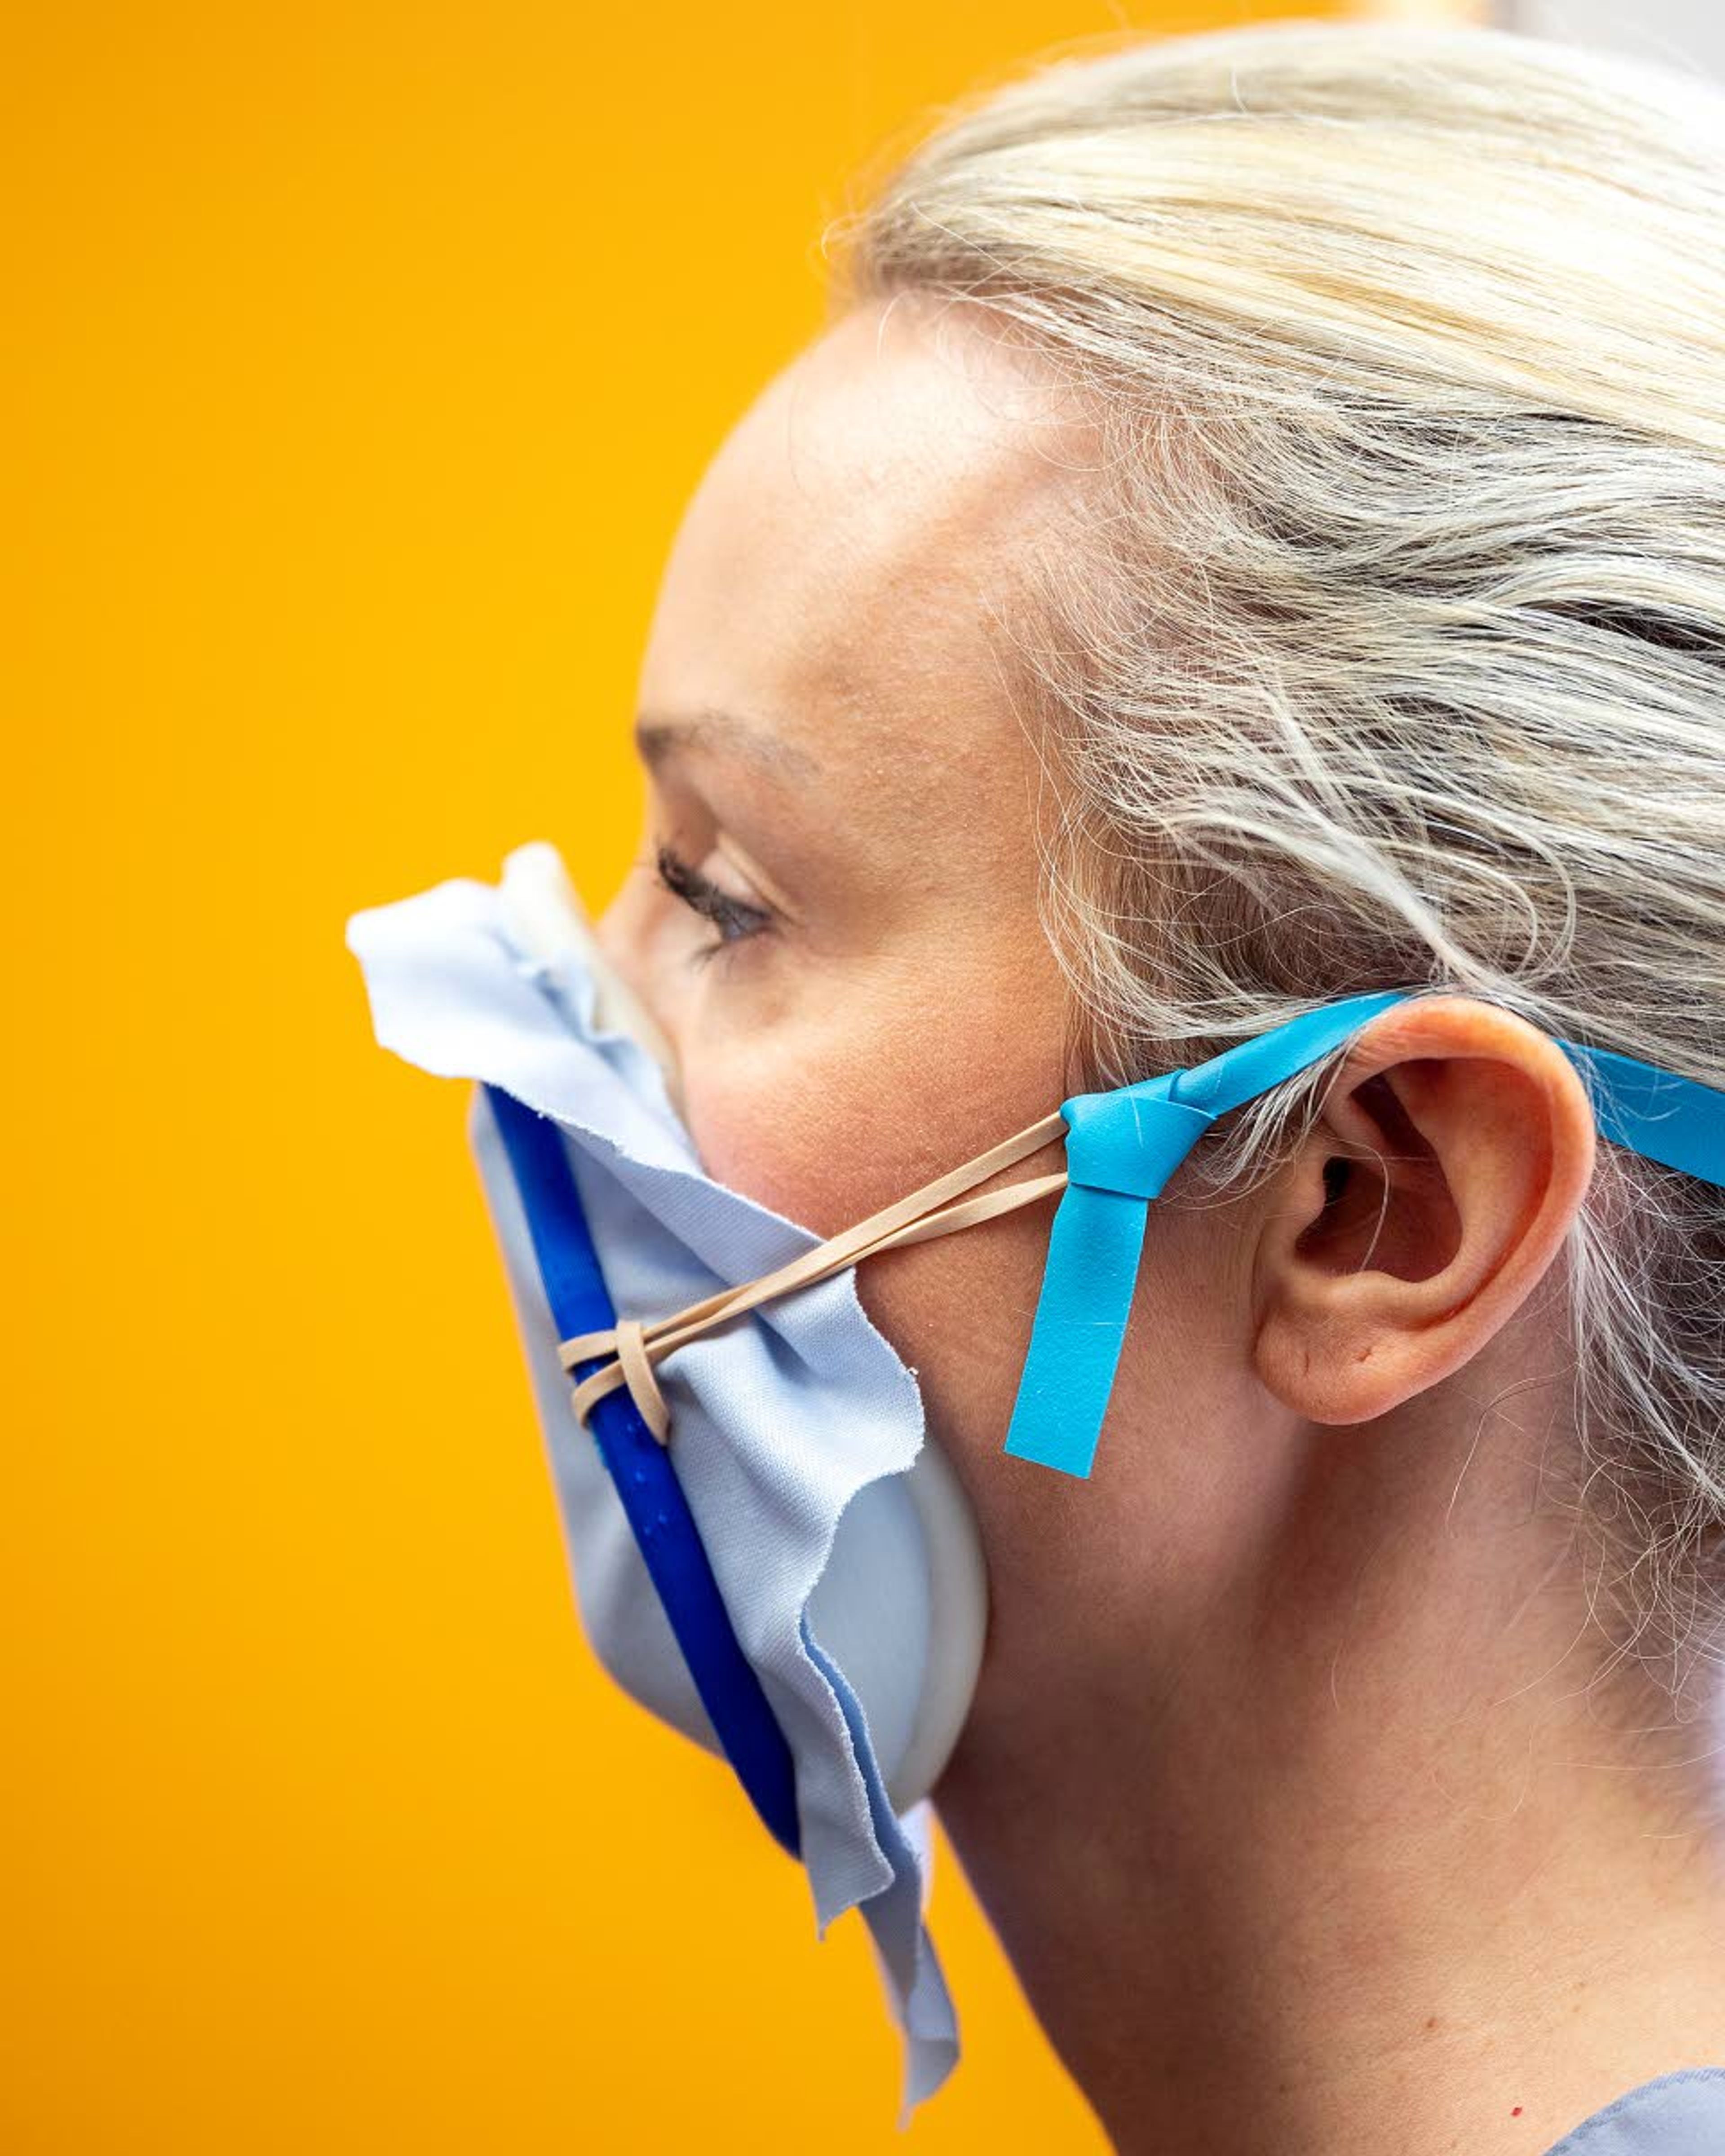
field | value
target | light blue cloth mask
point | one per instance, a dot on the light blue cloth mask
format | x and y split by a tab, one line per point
838	1543
1675	2114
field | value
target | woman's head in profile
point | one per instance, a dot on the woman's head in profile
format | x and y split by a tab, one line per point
1253	532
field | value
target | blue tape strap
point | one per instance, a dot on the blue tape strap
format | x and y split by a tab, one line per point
1251	1067
1675	1120
1094	1245
653	1499
1122	1147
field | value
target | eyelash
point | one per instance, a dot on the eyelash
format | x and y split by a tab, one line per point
704	898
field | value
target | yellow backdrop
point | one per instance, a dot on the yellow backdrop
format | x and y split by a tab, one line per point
361	359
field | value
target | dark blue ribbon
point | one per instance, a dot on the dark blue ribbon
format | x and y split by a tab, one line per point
652	1500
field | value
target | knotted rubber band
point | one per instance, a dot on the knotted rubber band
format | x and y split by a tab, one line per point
632	1347
633	1360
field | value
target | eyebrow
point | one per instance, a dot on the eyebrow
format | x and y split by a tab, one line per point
660	736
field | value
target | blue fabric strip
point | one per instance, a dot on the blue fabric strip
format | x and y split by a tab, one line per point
646	1482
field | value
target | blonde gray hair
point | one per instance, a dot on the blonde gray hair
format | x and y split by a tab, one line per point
1392	650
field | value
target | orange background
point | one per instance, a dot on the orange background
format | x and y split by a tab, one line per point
361	360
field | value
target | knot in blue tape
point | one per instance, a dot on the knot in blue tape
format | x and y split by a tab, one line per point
1122	1147
1130	1140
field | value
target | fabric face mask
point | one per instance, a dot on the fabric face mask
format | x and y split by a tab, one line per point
766	1552
796	1583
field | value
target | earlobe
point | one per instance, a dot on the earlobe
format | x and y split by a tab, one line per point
1430	1198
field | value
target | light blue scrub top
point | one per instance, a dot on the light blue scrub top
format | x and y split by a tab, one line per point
1680	2114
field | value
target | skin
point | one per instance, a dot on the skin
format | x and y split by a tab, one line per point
1281	1787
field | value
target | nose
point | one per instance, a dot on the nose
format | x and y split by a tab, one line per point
626	1000
618	932
607	935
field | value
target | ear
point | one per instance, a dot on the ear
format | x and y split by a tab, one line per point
1456	1144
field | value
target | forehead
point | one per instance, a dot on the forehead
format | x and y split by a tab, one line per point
836	572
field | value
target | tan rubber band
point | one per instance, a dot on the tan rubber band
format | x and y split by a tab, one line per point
638	1370
635	1347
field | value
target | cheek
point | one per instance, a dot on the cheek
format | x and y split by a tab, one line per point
959	1309
815	1137
829	1138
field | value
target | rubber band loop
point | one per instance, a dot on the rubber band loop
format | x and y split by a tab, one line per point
632	1346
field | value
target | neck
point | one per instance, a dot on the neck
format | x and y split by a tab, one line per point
1349	1849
